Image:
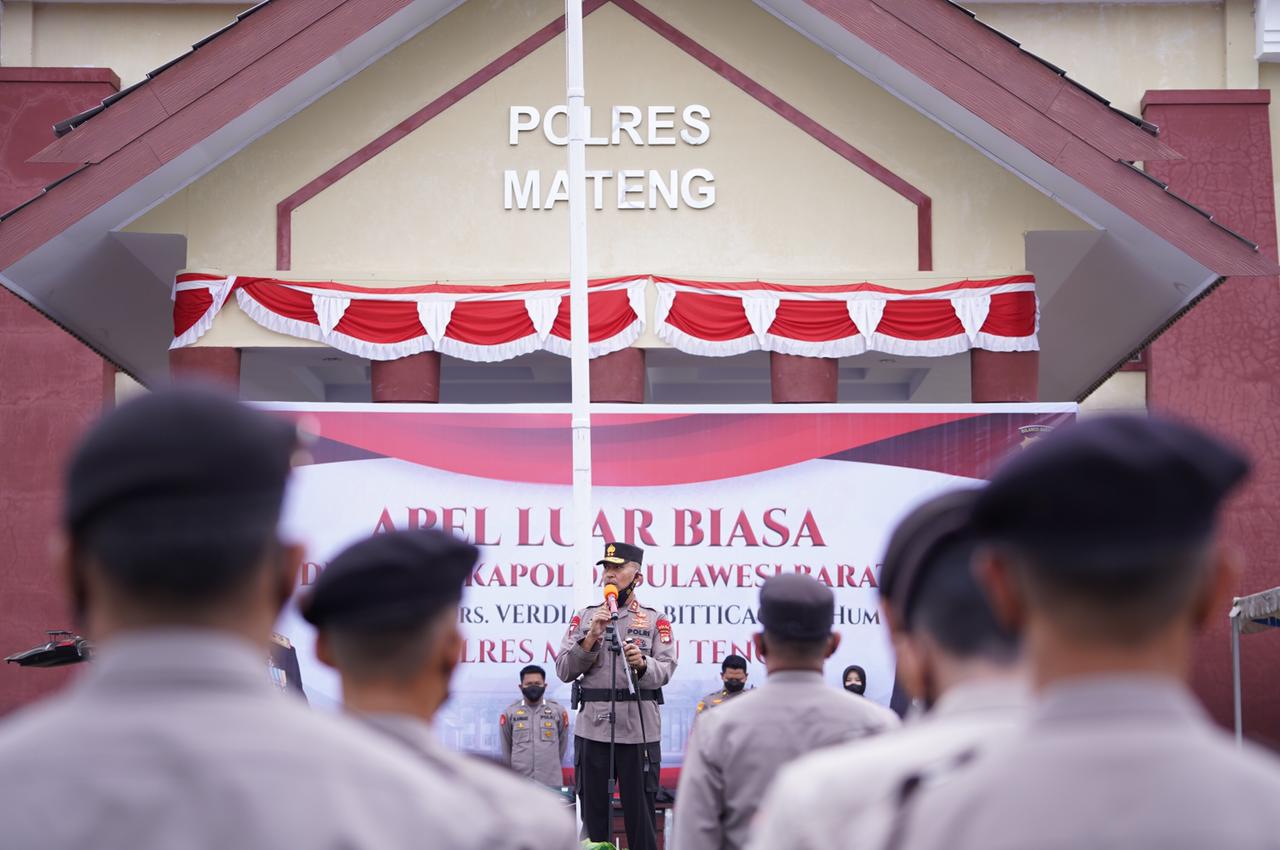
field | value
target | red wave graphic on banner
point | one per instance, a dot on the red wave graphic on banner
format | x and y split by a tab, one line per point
628	449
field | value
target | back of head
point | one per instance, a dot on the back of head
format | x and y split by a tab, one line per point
797	613
379	601
175	497
927	580
1111	521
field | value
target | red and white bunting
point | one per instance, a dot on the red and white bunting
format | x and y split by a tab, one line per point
490	323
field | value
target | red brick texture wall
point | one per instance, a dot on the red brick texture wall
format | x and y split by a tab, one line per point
1220	364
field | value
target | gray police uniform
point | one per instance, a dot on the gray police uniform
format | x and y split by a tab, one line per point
1108	762
651	631
528	817
534	739
177	739
735	751
848	797
715	698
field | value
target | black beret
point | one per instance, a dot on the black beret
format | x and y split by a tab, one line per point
178	455
621	553
395	580
923	534
1111	492
797	607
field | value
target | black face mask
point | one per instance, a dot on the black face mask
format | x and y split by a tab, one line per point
858	688
734	685
533	693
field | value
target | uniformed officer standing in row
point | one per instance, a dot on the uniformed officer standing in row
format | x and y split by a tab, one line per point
954	656
735	751
1103	549
649	654
733	675
386	613
174	737
535	731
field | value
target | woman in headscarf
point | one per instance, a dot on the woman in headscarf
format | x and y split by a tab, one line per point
855	680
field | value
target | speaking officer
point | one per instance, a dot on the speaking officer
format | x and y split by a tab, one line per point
535	731
733	673
648	654
386	616
735	751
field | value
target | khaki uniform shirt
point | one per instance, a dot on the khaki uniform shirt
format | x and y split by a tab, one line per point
1106	763
178	739
715	698
528	817
534	738
848	796
735	751
651	632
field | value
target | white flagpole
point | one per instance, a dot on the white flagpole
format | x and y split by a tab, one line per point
578	342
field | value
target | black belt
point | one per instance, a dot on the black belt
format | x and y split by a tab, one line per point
602	695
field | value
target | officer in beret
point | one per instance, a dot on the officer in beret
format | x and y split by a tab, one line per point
386	614
733	675
649	655
954	656
735	751
174	737
1102	547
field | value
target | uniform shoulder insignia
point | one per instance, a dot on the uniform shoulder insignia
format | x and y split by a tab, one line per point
502	721
575	622
701	706
664	629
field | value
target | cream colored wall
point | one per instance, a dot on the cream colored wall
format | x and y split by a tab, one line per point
431	206
130	39
1121	51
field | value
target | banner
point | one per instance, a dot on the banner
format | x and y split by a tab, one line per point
719	498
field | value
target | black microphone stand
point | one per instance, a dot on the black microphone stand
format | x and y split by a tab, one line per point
615	649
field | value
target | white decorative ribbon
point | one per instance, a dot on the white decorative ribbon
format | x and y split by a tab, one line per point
866	315
543	310
972	312
330	310
761	310
434	315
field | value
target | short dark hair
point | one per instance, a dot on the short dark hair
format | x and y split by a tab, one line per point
535	669
951	607
213	562
807	650
376	654
1119	604
733	662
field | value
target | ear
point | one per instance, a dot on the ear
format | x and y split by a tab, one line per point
1219	587
286	579
758	640
639	579
910	664
833	643
68	565
452	645
997	575
324	650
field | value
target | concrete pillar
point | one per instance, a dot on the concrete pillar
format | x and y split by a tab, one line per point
214	363
1004	376
415	378
619	377
801	380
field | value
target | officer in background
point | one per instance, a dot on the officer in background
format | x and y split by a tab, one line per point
386	614
650	655
535	731
954	656
735	751
174	736
733	675
1102	547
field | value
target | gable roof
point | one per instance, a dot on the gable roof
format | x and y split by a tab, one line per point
197	110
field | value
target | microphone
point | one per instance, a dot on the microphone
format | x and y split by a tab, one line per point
611	597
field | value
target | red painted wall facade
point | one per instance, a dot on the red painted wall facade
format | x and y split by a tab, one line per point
1219	365
51	385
